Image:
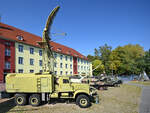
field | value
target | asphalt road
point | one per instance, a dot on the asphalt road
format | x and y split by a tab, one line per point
145	98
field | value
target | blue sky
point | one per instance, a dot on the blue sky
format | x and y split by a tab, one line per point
88	23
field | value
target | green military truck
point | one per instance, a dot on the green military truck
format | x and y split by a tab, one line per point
35	88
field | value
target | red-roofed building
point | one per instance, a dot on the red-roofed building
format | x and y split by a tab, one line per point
25	54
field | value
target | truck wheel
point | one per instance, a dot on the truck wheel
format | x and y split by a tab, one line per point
35	100
83	101
20	99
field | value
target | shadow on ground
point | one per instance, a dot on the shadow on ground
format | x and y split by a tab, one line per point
7	105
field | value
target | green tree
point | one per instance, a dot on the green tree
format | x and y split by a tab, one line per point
96	53
91	58
147	62
105	52
98	67
114	62
130	59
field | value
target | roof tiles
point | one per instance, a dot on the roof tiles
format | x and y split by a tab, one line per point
11	33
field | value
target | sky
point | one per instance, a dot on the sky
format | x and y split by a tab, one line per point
87	23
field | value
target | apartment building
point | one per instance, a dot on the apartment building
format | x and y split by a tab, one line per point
20	53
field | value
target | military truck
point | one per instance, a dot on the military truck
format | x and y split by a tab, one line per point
35	88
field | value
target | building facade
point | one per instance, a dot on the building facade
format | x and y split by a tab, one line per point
28	58
20	53
7	57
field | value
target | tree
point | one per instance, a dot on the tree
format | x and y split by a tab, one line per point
98	67
114	62
90	58
105	52
130	59
147	61
96	53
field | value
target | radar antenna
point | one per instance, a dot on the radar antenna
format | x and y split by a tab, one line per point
47	56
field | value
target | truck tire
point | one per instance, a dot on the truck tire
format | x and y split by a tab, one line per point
35	100
83	101
20	99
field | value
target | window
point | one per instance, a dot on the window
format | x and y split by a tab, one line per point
61	57
78	67
66	72
31	61
78	60
81	67
70	58
55	72
55	55
55	64
61	65
81	61
70	72
20	60
31	71
59	49
20	70
61	72
31	50
7	52
41	71
40	52
7	65
20	38
84	61
40	62
65	81
7	43
66	66
66	58
70	66
20	48
84	68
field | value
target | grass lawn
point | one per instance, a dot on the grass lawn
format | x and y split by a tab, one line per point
123	99
146	83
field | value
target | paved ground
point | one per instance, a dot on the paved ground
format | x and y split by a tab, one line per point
145	98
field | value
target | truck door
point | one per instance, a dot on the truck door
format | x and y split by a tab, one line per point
65	86
44	84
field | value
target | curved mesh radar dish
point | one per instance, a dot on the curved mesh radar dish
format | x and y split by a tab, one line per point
48	59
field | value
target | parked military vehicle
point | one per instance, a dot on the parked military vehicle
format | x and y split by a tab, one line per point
92	81
96	83
33	88
110	81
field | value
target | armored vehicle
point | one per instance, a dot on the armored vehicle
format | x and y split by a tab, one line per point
95	82
110	81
